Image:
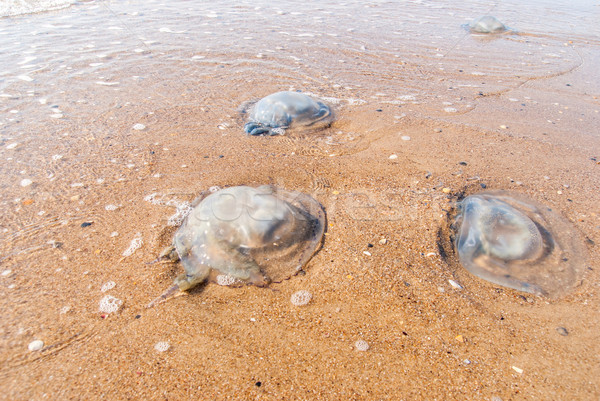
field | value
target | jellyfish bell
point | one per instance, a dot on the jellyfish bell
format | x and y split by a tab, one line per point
515	242
245	235
278	112
486	24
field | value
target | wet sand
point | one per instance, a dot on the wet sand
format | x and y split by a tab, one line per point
454	123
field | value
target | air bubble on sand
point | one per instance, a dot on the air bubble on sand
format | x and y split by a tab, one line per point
12	145
405	138
25	182
139	127
162	346
57	157
110	304
108	286
361	345
301	298
110	208
65	309
136	243
6	273
450	110
214	189
25	78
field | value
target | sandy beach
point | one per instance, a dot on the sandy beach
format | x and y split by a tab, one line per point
114	113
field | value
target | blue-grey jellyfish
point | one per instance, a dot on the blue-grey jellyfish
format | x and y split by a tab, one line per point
274	114
514	242
246	235
487	24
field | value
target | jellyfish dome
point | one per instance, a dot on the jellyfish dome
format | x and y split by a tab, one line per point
487	24
245	235
274	114
514	242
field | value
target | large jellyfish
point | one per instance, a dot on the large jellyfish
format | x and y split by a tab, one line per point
275	113
487	24
245	235
511	241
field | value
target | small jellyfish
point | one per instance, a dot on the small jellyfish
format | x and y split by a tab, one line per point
275	113
511	241
487	24
247	235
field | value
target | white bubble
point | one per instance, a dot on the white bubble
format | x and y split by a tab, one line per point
361	345
108	286
300	298
65	309
162	346
135	244
110	304
6	272
57	157
182	210
35	345
12	145
25	182
405	138
111	207
393	157
450	110
139	127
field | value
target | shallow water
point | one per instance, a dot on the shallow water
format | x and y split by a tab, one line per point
117	114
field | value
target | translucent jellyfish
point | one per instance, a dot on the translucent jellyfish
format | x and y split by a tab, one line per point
248	235
487	24
279	111
512	241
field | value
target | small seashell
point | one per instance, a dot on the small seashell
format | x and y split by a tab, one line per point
35	345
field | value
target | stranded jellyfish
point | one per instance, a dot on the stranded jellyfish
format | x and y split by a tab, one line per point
275	113
245	235
512	241
486	24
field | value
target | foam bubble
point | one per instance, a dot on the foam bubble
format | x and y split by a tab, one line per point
108	286
162	346
225	279
139	127
110	304
300	298
25	182
136	243
182	209
361	345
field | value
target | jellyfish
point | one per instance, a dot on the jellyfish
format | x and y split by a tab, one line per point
514	242
246	235
487	24
275	113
